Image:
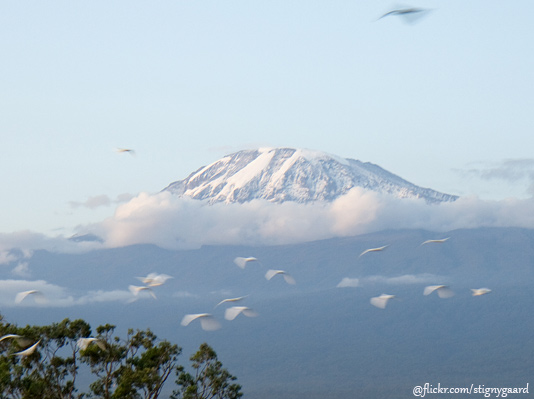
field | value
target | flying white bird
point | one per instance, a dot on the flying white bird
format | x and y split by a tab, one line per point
28	351
207	321
443	291
442	240
154	279
83	343
374	250
38	295
242	262
381	301
480	291
271	273
134	289
9	336
234	311
22	341
231	300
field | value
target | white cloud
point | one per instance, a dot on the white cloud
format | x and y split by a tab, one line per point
510	170
6	257
175	223
54	295
404	279
98	201
21	244
348	282
22	269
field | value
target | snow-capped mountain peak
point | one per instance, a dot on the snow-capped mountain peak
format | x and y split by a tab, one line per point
288	174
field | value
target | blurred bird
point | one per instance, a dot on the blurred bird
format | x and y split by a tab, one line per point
38	295
21	341
154	279
28	351
207	321
231	300
234	311
381	301
287	277
443	291
374	250
83	343
409	15
480	291
125	150
242	262
134	289
10	336
435	241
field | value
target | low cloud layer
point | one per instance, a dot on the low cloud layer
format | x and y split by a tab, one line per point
181	223
54	295
175	223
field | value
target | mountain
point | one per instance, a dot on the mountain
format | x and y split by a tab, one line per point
288	174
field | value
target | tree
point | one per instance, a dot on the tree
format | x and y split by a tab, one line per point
134	368
211	380
130	369
49	372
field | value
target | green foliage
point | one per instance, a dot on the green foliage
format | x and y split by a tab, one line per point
136	367
211	380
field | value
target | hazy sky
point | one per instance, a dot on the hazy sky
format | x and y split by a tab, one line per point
446	103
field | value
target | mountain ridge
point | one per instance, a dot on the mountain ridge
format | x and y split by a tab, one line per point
289	174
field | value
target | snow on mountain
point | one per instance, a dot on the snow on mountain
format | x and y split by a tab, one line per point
288	174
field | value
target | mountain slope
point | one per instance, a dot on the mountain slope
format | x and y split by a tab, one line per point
288	174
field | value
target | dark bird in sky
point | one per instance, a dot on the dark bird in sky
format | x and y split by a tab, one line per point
125	150
411	14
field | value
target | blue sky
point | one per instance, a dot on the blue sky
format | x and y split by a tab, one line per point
445	103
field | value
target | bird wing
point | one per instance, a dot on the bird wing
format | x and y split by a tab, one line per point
445	292
249	312
231	300
100	344
242	262
28	351
379	302
373	250
208	323
159	279
271	273
21	295
430	289
233	312
39	297
8	336
83	343
388	13
134	289
289	279
188	318
480	291
442	240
